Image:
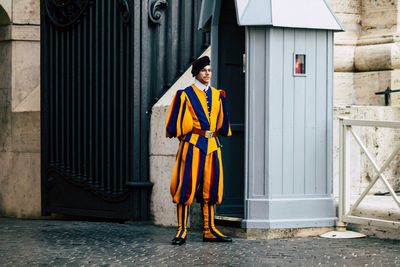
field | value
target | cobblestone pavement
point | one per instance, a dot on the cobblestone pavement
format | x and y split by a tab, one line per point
82	243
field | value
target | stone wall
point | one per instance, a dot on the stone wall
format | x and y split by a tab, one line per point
20	110
349	13
367	54
367	61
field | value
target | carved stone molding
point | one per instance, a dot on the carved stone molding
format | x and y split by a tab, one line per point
156	8
64	13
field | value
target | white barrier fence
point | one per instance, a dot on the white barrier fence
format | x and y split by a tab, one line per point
346	210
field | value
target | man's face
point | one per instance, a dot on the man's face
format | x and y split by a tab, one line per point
204	76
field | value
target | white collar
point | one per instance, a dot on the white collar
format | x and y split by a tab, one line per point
201	86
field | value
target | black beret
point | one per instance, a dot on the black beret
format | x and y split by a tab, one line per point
199	64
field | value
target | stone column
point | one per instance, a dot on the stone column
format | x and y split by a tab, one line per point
367	55
349	13
20	111
377	55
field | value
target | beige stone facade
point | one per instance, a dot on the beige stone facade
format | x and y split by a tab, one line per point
367	54
20	108
366	62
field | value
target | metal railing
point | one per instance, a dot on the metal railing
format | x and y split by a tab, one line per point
346	210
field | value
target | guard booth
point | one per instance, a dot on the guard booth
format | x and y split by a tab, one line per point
274	58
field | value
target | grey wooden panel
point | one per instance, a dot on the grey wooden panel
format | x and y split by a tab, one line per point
278	213
246	125
329	115
275	111
299	119
321	101
297	126
258	120
310	146
288	114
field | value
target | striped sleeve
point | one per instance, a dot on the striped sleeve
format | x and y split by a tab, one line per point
179	119
223	124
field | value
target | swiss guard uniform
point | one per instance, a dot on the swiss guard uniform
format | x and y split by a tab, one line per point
197	116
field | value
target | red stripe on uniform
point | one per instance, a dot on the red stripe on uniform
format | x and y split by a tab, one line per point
198	168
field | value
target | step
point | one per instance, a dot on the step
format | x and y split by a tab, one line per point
380	207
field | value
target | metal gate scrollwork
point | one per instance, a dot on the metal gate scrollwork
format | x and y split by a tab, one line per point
155	8
64	13
125	10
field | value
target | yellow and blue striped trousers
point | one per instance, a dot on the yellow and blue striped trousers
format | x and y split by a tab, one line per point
197	175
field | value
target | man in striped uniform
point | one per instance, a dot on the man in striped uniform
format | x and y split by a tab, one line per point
197	116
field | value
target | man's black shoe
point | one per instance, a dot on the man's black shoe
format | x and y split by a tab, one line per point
178	241
218	239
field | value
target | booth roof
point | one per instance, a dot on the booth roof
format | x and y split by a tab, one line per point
308	14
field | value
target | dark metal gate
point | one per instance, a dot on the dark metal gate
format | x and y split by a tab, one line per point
104	63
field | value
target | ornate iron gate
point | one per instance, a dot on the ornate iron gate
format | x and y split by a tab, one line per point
103	64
